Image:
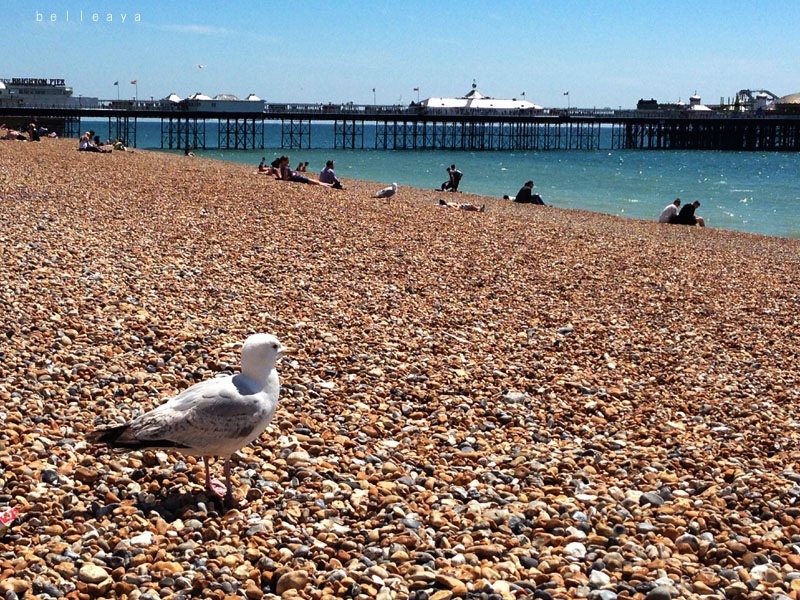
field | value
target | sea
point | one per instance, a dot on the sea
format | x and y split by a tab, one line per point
754	192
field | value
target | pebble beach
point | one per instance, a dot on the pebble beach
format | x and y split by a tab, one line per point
526	402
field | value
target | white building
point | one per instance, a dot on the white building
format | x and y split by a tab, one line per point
41	93
475	102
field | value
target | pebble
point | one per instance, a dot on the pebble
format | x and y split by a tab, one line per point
599	579
575	550
602	595
651	498
436	437
90	573
293	580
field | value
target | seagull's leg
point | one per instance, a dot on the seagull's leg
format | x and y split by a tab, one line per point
214	485
208	472
227	471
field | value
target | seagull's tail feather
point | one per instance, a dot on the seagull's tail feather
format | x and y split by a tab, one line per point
119	436
107	435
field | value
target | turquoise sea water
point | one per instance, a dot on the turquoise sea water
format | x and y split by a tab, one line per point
743	191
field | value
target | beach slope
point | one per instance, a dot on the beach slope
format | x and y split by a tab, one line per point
487	403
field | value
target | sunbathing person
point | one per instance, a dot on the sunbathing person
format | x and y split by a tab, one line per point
13	134
462	206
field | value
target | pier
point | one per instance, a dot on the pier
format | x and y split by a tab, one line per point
411	128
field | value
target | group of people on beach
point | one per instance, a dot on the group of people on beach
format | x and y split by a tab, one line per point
674	214
90	142
524	196
281	170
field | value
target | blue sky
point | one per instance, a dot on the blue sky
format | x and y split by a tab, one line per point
606	53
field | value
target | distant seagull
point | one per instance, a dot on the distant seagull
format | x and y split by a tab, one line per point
215	417
201	66
386	192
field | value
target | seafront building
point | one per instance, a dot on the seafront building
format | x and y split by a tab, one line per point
41	93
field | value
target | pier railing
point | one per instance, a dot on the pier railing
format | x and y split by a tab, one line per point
411	127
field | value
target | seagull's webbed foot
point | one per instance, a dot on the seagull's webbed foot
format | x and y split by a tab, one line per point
220	489
215	486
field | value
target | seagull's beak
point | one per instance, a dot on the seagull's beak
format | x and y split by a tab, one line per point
285	350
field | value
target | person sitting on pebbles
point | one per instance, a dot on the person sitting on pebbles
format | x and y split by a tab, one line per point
328	175
271	168
88	144
526	196
670	212
687	217
462	206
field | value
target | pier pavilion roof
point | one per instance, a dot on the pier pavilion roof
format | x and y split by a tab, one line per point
790	99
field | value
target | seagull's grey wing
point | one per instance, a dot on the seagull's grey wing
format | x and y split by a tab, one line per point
207	417
222	397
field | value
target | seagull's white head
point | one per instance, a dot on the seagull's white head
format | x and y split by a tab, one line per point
394	187
259	354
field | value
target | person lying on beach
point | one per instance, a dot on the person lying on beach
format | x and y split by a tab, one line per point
462	206
286	174
119	144
13	134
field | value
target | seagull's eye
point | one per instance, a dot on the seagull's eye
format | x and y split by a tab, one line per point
274	346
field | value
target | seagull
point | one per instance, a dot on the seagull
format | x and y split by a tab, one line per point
201	66
386	192
215	417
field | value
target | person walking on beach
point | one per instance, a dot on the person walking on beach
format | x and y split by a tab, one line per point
526	196
687	217
670	212
453	179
